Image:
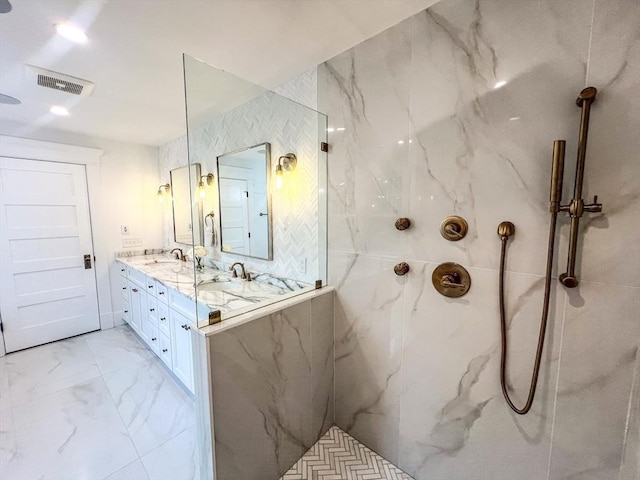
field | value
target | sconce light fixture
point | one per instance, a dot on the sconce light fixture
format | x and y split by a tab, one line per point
286	162
162	190
202	190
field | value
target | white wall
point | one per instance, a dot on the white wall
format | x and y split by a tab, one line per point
128	182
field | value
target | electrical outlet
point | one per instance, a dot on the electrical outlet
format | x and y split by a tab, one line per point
124	229
302	265
131	242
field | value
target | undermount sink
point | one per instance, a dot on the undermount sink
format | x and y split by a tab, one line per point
218	286
161	262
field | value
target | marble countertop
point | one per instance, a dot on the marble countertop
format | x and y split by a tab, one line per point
216	288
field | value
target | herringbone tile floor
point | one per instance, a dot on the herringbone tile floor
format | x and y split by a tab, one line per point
339	456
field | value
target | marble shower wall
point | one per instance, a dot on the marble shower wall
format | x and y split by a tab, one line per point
290	127
421	131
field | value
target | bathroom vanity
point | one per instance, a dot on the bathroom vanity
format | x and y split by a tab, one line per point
262	375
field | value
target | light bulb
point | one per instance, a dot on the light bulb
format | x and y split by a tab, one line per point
201	190
160	196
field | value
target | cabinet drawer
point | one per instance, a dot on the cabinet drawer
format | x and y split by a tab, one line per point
151	286
161	292
163	319
137	277
152	311
124	288
154	339
126	311
165	349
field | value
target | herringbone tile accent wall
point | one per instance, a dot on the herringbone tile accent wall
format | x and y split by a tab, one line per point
339	456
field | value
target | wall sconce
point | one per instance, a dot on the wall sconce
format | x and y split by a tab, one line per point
286	162
202	190
162	191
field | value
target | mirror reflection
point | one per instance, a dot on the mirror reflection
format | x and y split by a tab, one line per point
245	204
186	229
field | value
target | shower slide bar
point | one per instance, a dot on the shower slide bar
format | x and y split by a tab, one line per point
575	210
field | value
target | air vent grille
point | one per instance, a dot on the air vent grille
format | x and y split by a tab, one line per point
59	81
60	84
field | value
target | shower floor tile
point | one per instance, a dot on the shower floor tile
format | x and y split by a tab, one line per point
339	456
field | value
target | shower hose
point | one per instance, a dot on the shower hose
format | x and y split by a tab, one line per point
543	322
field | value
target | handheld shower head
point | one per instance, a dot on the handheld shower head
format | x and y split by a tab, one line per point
557	171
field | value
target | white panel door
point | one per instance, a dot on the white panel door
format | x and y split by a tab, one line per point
46	293
234	214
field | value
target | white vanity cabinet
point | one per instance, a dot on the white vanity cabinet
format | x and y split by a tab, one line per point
162	318
181	353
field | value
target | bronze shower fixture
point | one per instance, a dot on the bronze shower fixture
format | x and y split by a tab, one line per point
575	209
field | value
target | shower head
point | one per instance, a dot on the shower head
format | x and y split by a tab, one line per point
557	170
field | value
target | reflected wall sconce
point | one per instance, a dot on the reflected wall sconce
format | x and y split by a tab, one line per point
162	191
202	189
286	162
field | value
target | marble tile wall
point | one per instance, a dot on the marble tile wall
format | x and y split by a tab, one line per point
289	126
272	389
421	131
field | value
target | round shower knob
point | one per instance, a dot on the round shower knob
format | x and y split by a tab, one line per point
401	269
403	223
454	228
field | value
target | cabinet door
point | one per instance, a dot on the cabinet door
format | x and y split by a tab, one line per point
144	315
181	356
135	307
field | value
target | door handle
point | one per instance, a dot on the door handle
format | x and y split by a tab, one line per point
87	262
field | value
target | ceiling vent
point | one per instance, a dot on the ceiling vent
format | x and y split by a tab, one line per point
60	81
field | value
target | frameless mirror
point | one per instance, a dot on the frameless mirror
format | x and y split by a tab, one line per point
245	203
186	230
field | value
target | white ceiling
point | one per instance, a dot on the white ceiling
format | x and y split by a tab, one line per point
134	54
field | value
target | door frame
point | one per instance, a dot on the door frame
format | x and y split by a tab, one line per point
28	149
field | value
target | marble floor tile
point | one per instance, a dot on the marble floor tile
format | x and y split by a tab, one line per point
133	471
153	407
59	424
66	435
117	348
175	459
40	371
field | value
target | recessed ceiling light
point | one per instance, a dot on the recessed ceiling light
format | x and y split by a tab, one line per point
58	110
71	32
7	100
5	6
500	84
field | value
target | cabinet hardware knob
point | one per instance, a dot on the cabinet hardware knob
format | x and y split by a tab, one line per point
122	269
153	339
188	327
161	293
152	309
126	311
164	350
124	288
150	286
162	319
134	290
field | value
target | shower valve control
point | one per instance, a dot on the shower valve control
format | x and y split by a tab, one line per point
403	223
401	269
454	228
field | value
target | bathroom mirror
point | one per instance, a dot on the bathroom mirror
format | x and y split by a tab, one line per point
185	229
245	203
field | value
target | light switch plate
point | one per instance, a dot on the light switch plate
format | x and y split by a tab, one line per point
131	242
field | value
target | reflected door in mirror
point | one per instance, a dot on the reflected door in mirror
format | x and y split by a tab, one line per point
245	208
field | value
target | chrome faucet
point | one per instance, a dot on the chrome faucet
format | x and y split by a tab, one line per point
232	268
179	255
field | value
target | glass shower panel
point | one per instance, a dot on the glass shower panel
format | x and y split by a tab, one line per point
261	197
